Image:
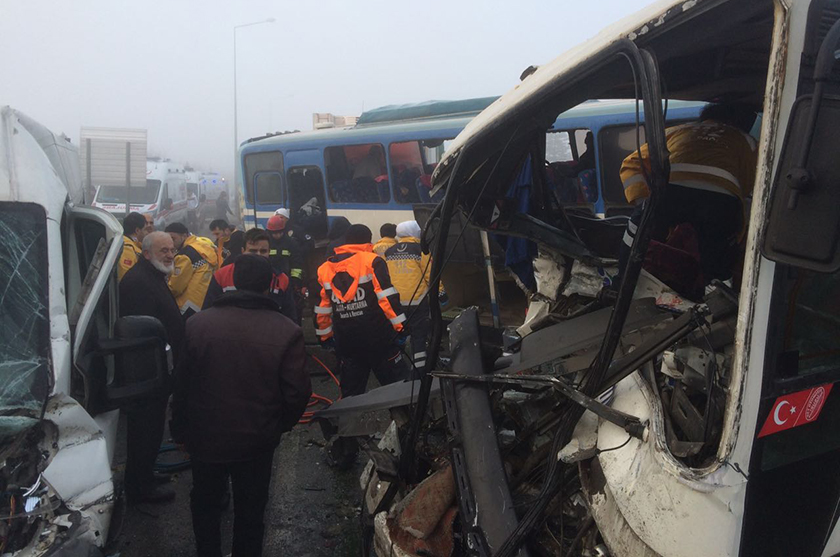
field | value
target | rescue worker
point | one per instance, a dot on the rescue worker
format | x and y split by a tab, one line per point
222	206
360	314
229	240
241	384
713	165
194	267
411	273
135	228
387	238
285	253
144	291
256	243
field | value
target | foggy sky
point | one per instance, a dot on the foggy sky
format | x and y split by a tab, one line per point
167	66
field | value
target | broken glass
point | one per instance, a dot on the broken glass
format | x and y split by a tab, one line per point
24	309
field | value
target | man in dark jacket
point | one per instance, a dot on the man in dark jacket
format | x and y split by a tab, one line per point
256	242
240	385
144	291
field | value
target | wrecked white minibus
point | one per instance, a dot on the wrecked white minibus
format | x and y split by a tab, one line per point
636	421
67	363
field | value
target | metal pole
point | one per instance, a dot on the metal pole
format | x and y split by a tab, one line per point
491	280
90	191
235	118
127	177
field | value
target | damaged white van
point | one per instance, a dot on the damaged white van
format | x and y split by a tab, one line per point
638	419
66	362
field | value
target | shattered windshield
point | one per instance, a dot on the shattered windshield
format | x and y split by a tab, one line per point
24	313
140	195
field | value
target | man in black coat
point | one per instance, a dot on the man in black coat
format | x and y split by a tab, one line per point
240	384
144	291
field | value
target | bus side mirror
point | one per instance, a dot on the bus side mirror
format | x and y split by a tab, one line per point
804	225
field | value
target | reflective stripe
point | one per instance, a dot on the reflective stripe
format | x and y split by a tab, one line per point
419	363
323	310
285	252
632	227
189	306
635	179
228	288
398	319
327	286
272	252
323	331
365	278
705	169
419	354
628	239
417	299
296	273
387	292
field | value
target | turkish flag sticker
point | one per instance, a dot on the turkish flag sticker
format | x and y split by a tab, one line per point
796	409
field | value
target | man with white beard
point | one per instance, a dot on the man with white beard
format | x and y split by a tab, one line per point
144	291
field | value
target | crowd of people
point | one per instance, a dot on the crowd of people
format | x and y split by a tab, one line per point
232	312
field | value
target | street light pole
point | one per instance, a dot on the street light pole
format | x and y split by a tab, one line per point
236	106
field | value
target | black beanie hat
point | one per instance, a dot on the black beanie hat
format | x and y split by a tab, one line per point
358	234
252	273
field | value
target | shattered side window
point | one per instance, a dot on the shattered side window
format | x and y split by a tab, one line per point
24	309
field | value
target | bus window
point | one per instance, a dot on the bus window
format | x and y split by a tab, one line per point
570	155
357	174
406	169
306	199
269	188
558	147
813	328
271	161
433	150
412	164
616	143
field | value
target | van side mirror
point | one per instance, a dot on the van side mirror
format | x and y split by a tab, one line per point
804	225
141	359
167	204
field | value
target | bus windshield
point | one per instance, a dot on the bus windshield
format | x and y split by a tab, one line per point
139	195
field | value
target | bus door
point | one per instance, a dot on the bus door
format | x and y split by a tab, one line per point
306	195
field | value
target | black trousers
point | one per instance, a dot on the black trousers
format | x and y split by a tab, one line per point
419	326
251	481
146	422
387	364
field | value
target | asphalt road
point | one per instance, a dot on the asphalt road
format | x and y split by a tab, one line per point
312	510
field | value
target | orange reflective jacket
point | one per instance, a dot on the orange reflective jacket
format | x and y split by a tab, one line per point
359	305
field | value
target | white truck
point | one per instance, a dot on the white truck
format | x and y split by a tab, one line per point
163	194
67	362
113	157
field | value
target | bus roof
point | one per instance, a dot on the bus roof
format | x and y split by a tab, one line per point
425	111
441	127
444	128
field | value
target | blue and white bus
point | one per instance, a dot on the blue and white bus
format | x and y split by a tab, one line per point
376	171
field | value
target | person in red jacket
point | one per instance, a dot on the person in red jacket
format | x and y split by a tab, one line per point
256	242
241	384
360	314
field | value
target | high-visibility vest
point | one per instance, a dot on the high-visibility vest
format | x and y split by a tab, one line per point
358	303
